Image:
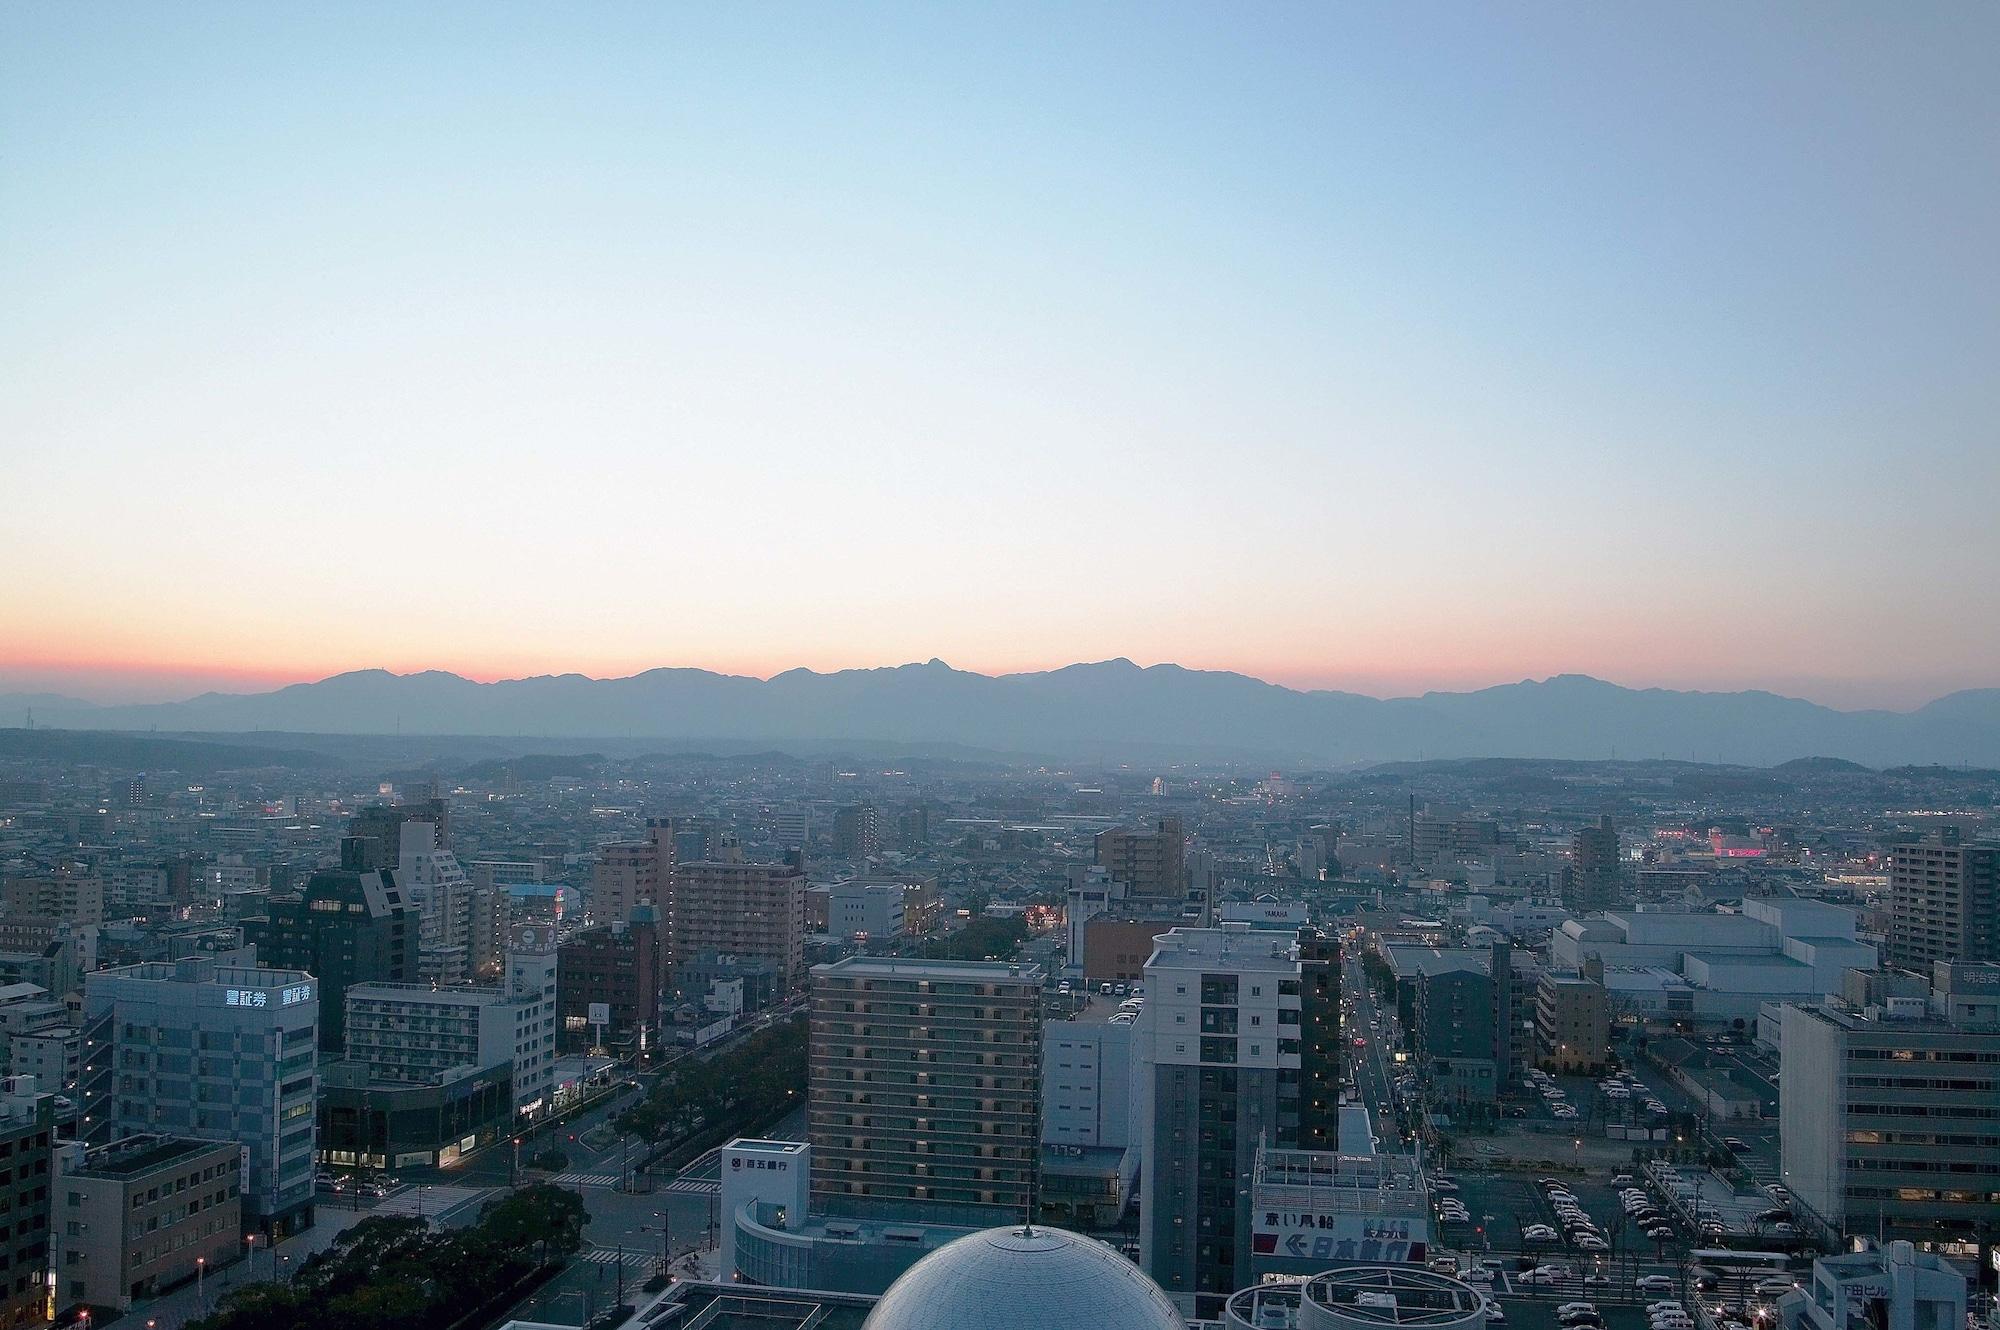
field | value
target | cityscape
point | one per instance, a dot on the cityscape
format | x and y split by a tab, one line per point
1029	667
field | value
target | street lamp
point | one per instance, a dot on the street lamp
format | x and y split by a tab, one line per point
200	1281
250	1239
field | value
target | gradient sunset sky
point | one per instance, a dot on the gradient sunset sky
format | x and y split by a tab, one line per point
1383	347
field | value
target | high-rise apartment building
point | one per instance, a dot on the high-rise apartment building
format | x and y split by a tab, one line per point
74	896
1889	1116
626	875
730	907
857	832
1146	863
219	1052
1593	879
349	926
925	1083
1320	1053
1944	901
27	1131
413	1034
1442	835
438	890
1221	1038
1572	1024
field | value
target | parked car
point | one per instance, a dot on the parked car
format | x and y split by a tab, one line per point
1774	1287
1568	1307
1655	1283
1538	1233
1494	1316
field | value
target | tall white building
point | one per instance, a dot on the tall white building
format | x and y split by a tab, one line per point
439	890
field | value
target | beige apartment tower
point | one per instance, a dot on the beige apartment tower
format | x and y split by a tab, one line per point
730	907
1944	901
925	1083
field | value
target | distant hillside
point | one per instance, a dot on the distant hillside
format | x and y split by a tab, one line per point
1111	710
132	752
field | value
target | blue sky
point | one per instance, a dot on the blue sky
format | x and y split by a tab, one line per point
1381	347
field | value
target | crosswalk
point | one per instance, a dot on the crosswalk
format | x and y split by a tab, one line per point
695	1187
585	1179
609	1256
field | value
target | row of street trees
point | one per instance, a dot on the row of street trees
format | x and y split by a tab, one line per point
739	1089
389	1273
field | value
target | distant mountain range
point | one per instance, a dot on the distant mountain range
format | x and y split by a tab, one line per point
1110	710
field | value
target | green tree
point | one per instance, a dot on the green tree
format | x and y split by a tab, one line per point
549	1217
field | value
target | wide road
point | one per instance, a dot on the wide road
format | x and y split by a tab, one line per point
1369	1065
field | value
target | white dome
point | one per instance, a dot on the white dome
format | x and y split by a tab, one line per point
1024	1279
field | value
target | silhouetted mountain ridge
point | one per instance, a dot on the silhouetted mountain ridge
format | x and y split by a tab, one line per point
1102	709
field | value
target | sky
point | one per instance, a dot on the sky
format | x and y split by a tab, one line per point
1383	347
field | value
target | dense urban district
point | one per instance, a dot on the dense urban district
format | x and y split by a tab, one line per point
365	1034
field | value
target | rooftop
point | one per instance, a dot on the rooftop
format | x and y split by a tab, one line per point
135	1156
893	967
1232	946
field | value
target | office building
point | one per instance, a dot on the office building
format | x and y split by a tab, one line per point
1572	1025
223	1053
857	832
140	1215
610	981
378	829
1892	1287
861	910
349	926
913	828
1594	877
1221	1043
1092	1092
1889	1116
27	1132
1146	863
1944	901
791	827
414	1034
925	1078
729	907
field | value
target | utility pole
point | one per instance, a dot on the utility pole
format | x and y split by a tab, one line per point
621	1275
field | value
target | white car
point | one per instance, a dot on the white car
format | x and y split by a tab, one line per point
1569	1307
1774	1287
1591	1242
1494	1316
1543	1274
1664	1304
1655	1283
1538	1233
